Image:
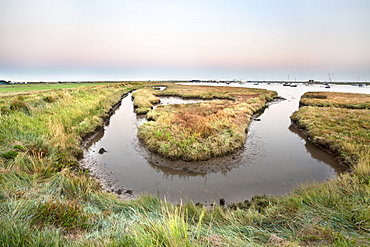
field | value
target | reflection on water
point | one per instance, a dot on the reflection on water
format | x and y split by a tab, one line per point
276	157
316	152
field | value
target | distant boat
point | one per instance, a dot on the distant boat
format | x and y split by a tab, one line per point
256	83
286	84
327	86
293	85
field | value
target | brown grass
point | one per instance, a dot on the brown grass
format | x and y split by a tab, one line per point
204	130
331	99
332	124
211	92
144	99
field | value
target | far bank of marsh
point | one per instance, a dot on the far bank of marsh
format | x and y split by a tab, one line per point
194	132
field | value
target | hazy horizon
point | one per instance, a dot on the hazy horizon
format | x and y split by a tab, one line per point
183	40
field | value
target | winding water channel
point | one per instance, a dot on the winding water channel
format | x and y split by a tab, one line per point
276	156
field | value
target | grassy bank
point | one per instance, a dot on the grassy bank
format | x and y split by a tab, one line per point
144	100
338	122
332	99
15	89
46	201
204	130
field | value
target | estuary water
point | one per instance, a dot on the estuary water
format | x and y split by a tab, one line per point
275	158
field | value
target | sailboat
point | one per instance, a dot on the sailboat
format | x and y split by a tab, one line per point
327	84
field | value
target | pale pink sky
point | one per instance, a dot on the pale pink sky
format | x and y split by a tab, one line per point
262	38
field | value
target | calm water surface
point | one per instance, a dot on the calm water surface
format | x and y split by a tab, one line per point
276	157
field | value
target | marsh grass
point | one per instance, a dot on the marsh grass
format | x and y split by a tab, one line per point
67	215
210	92
193	132
44	133
144	100
335	99
341	130
338	209
45	202
21	233
170	229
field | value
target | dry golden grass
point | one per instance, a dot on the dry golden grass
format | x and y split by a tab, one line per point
144	99
204	130
344	100
211	92
336	127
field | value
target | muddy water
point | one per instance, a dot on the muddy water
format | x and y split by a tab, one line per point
276	157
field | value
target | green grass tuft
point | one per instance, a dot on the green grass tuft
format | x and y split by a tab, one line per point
10	155
67	215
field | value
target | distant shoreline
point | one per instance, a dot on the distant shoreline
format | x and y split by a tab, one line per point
4	83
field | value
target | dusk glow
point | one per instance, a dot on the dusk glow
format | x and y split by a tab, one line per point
169	40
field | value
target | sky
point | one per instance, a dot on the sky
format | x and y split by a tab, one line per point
61	40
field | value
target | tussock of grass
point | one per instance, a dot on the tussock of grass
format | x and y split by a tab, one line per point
21	233
67	215
170	229
46	134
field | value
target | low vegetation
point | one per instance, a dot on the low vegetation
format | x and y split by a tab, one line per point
334	99
205	92
200	131
345	132
45	200
17	89
341	125
144	100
